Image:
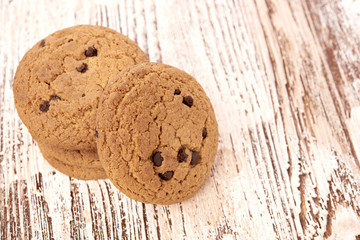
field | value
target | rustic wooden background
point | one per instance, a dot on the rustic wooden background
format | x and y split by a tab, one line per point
284	79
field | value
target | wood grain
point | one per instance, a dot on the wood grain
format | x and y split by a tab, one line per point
284	80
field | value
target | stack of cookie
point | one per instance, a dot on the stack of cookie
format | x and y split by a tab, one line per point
57	87
97	108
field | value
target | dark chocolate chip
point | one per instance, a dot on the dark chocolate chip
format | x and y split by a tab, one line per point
204	133
82	68
157	159
83	95
42	44
96	133
44	106
91	52
194	158
188	101
70	40
166	175
182	156
54	98
177	92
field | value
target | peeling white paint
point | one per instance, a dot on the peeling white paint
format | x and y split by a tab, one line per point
285	160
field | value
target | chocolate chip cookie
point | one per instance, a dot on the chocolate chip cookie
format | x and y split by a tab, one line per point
79	172
157	133
59	81
83	158
62	161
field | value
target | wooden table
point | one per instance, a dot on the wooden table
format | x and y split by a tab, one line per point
284	79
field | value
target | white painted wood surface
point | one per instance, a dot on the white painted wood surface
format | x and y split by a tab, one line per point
284	79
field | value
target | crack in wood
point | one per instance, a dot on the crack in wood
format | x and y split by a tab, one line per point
124	227
114	223
95	216
145	222
77	222
156	217
106	212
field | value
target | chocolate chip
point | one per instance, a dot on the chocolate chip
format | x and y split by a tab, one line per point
91	52
54	98
177	92
82	68
182	156
96	133
44	106
188	101
70	40
42	44
166	175
194	158
83	95
204	133
157	159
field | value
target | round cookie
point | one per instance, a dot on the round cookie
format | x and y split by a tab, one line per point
82	173
83	158
157	133
79	172
59	81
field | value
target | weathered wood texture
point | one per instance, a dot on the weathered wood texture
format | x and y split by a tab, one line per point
284	79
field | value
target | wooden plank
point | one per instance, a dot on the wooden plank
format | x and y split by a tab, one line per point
284	80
